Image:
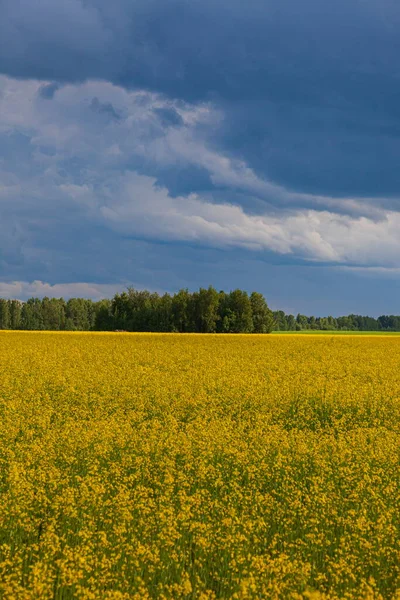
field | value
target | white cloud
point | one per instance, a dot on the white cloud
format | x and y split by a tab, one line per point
38	289
68	127
137	206
70	156
366	271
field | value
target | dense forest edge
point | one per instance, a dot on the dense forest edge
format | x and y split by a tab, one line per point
204	311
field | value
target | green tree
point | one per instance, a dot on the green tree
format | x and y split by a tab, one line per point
141	307
263	319
31	315
103	319
182	312
302	321
226	318
15	309
165	321
205	309
241	312
291	323
5	321
120	310
312	323
53	313
77	314
280	323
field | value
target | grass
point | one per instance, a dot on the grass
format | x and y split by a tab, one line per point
336	332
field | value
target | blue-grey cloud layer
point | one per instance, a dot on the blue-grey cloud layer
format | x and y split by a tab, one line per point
311	89
269	126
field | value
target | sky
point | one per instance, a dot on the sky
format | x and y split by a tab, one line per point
169	144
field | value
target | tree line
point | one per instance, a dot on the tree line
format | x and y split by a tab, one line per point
284	322
203	311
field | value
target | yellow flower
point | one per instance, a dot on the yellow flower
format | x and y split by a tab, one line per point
202	467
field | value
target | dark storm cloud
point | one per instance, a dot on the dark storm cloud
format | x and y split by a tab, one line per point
47	91
104	108
310	89
168	116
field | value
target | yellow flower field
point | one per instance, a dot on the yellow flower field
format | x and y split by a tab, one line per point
199	466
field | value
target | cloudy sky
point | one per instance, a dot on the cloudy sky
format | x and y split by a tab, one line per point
180	143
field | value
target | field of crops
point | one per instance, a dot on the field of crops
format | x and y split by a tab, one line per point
184	466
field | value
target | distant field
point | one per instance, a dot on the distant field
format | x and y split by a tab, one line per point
199	466
334	332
